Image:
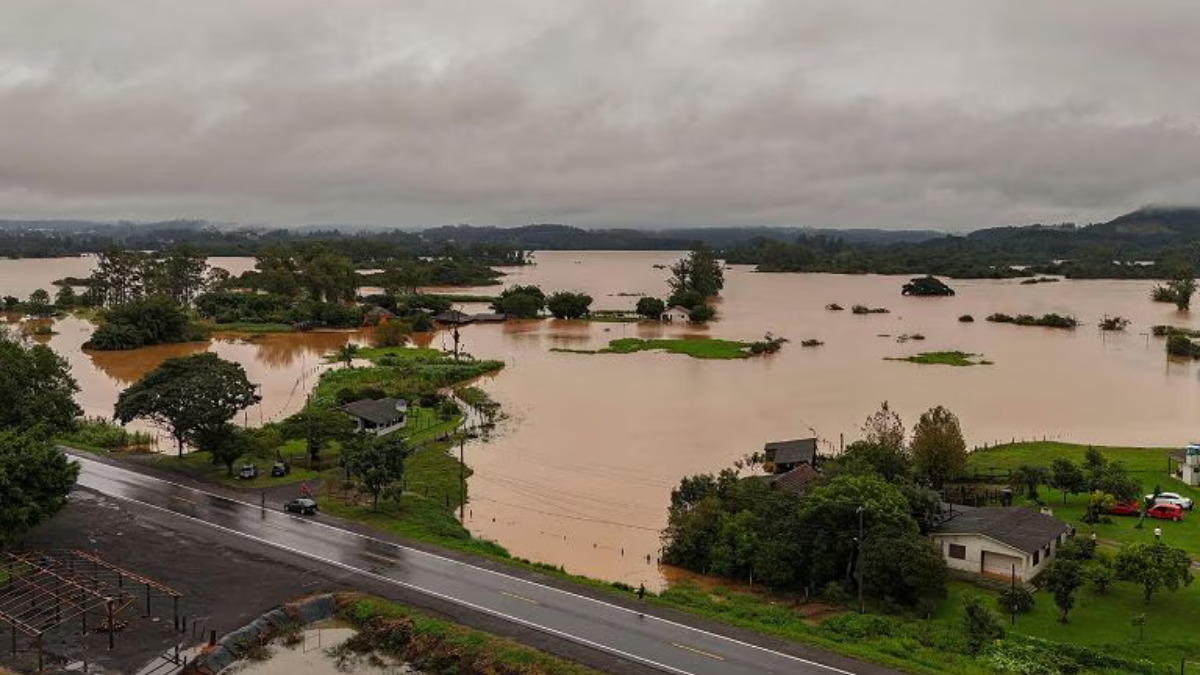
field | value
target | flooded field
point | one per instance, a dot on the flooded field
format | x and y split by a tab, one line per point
581	471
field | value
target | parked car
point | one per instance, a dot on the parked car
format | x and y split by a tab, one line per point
248	472
1124	508
1165	512
280	469
1171	498
301	505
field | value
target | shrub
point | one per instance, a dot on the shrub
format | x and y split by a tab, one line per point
701	313
980	625
1015	596
651	308
966	318
863	309
1182	345
834	307
927	286
1114	323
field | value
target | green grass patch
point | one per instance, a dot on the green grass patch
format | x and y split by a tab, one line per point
1103	621
250	327
960	359
405	376
438	646
1148	465
699	348
402	353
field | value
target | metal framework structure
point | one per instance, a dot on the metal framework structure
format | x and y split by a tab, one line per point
43	590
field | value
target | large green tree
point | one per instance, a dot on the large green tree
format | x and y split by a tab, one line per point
938	449
36	387
34	481
567	305
377	463
318	427
1062	578
188	396
523	302
1066	476
699	271
1153	566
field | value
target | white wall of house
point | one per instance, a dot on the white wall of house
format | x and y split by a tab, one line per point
364	426
999	556
674	316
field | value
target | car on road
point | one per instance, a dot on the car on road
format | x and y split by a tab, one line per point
1124	508
248	472
280	469
301	505
1165	512
1171	498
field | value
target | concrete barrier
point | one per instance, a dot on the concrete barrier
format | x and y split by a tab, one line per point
232	646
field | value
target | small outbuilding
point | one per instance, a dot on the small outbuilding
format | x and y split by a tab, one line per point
454	317
1000	542
783	456
379	417
675	314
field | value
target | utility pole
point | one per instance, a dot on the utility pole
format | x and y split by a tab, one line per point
858	563
462	478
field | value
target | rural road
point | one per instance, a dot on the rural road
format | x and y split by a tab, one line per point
651	641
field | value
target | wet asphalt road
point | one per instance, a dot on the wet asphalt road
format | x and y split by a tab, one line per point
651	641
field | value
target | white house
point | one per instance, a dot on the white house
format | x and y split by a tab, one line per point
675	314
1000	542
379	417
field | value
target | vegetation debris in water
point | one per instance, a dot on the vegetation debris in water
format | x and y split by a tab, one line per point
863	309
953	358
700	348
1046	320
1114	323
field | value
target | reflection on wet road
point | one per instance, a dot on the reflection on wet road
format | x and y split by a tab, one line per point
655	642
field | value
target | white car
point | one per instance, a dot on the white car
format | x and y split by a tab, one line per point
1170	498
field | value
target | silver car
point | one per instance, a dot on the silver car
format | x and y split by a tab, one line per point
1171	498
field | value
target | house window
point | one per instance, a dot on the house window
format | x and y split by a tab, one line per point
1035	557
958	551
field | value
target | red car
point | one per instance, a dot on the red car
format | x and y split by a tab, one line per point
1166	512
1124	508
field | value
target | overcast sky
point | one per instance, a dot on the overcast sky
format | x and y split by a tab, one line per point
950	115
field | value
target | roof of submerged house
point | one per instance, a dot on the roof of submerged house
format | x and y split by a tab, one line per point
1021	528
379	411
795	481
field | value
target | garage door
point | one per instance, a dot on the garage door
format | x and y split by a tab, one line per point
998	564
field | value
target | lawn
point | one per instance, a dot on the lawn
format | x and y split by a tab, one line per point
700	348
944	359
1104	621
1147	465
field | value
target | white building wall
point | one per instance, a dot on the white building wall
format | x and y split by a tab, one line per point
976	545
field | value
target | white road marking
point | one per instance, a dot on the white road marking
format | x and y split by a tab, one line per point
668	622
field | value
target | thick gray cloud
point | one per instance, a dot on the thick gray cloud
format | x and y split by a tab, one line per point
951	114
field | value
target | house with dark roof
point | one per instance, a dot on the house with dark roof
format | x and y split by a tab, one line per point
1000	542
454	317
378	417
795	481
783	456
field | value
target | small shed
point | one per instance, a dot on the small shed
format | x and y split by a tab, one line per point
783	456
454	317
379	417
675	314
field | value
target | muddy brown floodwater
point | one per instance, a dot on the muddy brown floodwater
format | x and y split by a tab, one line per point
580	473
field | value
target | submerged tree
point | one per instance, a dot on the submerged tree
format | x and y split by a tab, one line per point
700	272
